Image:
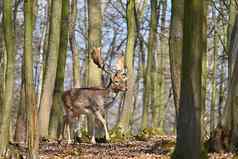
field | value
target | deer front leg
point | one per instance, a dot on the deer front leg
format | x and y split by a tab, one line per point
103	121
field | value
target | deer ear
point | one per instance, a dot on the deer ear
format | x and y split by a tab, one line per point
120	63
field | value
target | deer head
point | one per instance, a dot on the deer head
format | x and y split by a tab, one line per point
118	77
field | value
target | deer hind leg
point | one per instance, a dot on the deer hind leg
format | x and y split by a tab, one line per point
91	128
67	127
103	121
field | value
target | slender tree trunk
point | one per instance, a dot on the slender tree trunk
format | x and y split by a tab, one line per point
232	17
123	124
230	118
21	123
213	96
95	36
51	66
158	110
152	48
43	51
204	68
188	143
175	48
43	46
56	116
2	66
9	37
73	45
221	93
32	122
94	40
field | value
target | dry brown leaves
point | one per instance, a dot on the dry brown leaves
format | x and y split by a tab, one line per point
160	147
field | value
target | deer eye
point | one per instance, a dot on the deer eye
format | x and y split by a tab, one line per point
124	75
116	82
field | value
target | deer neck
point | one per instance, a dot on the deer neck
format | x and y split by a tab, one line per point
110	91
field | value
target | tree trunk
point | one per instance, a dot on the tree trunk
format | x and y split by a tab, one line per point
123	124
188	143
73	45
95	36
9	36
230	118
2	66
221	93
213	95
21	123
231	23
94	40
152	48
51	66
56	115
43	52
32	122
175	48
159	105
204	69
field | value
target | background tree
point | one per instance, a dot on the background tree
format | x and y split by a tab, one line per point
2	63
56	115
123	124
188	142
73	44
158	108
152	48
230	120
94	40
175	48
9	38
32	120
51	67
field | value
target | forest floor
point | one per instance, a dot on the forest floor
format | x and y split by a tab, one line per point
153	148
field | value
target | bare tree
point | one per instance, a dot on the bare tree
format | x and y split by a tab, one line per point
51	67
188	142
9	37
123	124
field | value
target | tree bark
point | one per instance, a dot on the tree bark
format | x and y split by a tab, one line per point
204	68
230	117
32	122
213	95
9	37
123	124
188	143
152	48
159	101
51	66
56	115
94	40
73	45
21	123
95	36
2	66
175	49
231	23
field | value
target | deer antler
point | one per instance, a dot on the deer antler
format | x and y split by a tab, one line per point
96	56
97	59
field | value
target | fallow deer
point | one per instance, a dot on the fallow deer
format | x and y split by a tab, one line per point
91	100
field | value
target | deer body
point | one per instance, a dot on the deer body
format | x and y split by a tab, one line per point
88	101
91	101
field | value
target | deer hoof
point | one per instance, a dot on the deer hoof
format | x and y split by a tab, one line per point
108	139
93	141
